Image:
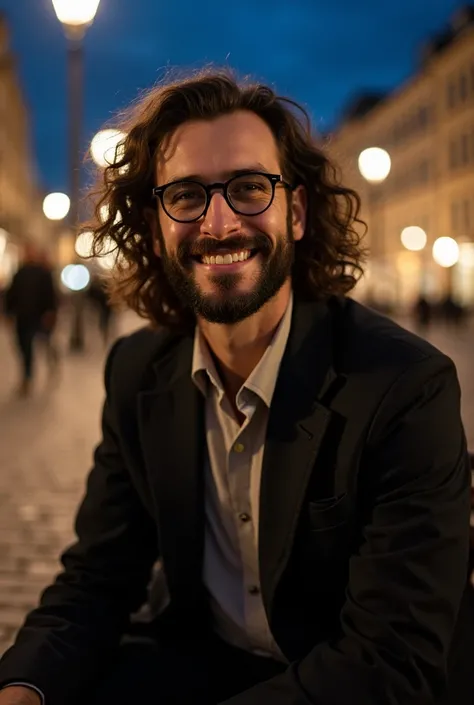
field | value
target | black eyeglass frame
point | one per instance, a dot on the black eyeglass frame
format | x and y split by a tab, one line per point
158	192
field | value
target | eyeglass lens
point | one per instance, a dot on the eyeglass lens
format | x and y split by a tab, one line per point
248	194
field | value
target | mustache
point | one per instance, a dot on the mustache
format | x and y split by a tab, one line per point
212	246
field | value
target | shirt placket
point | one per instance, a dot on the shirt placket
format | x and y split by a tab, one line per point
239	474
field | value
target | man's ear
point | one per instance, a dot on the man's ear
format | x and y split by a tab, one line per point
299	206
151	218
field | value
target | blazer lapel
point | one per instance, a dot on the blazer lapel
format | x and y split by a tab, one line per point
297	425
172	434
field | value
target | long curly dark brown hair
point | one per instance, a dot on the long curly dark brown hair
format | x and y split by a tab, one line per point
328	260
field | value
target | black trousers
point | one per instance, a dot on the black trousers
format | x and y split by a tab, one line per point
26	332
195	672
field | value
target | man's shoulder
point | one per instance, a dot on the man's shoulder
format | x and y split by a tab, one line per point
132	358
369	336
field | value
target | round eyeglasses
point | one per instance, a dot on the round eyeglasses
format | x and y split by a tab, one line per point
251	193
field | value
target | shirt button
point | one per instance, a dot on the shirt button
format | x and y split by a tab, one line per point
254	590
244	517
239	448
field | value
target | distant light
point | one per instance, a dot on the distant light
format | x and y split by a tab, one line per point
76	13
3	241
374	164
75	277
83	244
413	238
56	206
107	147
466	254
104	214
446	252
109	258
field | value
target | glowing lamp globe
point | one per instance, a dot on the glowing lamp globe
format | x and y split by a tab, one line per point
446	252
413	238
374	164
56	206
76	13
106	147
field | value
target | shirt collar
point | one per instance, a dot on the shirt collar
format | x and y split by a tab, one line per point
263	377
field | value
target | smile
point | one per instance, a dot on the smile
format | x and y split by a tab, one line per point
227	258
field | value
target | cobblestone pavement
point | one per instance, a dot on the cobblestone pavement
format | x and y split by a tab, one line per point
46	447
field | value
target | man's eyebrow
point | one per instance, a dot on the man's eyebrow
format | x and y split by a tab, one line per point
257	166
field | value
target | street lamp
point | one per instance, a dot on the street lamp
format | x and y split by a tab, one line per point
107	147
374	166
75	16
56	206
413	238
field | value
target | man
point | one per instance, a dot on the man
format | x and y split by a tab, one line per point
295	461
31	303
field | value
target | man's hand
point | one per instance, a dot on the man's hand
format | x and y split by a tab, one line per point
19	695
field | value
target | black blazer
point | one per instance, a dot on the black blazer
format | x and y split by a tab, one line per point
364	522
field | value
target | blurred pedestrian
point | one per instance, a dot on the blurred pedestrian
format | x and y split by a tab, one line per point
31	304
296	460
98	296
423	311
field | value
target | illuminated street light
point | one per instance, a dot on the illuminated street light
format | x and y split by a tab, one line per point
75	277
107	147
76	13
56	206
446	252
374	164
83	244
413	238
104	214
3	241
75	16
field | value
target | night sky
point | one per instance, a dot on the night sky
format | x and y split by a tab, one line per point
319	51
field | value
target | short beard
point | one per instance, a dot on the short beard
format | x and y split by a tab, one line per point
275	269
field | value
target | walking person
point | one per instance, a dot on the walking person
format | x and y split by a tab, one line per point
31	304
296	461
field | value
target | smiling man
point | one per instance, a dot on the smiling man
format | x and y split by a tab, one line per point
295	461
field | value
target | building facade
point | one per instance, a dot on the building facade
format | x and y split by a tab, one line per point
21	215
427	127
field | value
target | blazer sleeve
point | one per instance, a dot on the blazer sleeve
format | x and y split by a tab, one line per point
83	614
407	578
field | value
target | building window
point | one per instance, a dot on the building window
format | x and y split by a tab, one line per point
453	154
455	217
466	216
464	149
463	87
451	93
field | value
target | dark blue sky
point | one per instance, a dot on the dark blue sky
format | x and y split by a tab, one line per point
319	51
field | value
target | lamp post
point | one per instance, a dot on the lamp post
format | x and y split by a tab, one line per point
374	166
75	16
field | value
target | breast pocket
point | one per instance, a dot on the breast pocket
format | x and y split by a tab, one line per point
329	534
329	513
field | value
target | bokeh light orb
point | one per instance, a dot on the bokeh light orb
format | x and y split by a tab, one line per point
56	206
83	244
446	252
413	238
374	164
106	147
75	277
76	13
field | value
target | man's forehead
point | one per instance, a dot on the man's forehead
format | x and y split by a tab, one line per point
225	144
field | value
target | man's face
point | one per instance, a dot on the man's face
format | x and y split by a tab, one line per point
261	246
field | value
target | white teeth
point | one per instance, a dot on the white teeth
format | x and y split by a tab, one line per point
228	258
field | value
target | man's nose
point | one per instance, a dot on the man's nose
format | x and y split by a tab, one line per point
219	219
